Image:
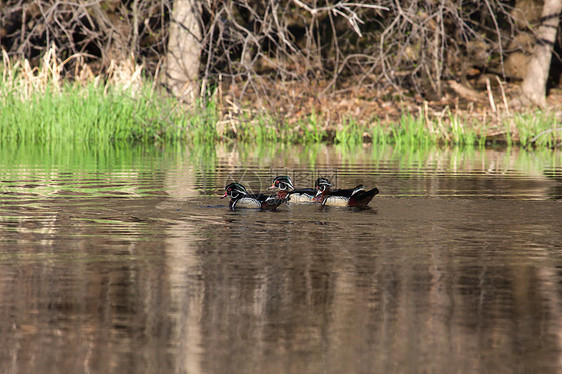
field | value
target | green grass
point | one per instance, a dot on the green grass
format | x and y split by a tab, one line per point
350	132
538	128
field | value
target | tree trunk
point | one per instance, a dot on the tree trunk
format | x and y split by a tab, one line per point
534	84
184	50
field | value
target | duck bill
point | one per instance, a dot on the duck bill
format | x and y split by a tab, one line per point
271	187
225	195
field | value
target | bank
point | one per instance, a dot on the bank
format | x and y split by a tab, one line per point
39	105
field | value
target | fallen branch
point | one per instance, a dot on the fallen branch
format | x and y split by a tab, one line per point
465	92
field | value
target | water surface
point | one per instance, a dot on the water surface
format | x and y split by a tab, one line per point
126	261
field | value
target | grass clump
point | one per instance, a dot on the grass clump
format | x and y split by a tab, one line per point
96	113
350	132
412	130
536	128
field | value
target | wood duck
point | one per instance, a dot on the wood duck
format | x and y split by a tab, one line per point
355	197
240	198
287	190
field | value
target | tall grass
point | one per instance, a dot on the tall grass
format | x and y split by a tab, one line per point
97	114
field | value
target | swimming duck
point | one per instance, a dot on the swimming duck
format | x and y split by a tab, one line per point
240	198
355	197
287	190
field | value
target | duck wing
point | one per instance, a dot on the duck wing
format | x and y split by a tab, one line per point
269	202
348	192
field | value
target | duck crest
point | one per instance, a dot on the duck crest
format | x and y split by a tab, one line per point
322	184
235	190
283	183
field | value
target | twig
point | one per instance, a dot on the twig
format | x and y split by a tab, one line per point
490	95
503	96
345	12
544	133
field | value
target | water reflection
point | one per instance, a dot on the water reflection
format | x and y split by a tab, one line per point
135	266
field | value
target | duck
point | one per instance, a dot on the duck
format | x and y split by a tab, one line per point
287	190
353	197
240	198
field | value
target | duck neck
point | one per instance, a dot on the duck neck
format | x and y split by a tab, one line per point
282	194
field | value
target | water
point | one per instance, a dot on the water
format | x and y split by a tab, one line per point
126	261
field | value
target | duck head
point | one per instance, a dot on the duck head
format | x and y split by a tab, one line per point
284	183
322	184
234	190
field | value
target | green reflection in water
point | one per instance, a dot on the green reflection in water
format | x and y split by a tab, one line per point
208	159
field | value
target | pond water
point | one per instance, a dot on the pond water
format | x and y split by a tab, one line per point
127	261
